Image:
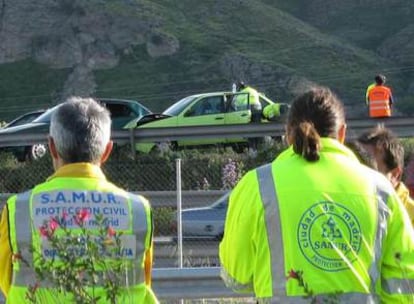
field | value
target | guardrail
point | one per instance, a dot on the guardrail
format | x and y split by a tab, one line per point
191	283
188	283
196	198
402	126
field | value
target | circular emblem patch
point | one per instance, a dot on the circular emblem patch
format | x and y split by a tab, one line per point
329	236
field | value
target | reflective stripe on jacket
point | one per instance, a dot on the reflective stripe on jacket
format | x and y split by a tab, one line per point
125	212
404	195
334	225
379	101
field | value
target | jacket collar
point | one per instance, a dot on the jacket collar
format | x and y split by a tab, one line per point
327	145
85	170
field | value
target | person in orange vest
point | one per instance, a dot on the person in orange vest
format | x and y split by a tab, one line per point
380	98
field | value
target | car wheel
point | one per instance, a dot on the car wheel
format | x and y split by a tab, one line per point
37	151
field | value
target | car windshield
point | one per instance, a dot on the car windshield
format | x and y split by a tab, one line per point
45	117
221	202
179	106
140	109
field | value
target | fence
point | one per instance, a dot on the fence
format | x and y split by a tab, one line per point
205	177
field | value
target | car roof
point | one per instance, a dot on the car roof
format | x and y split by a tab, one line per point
224	92
116	100
121	101
211	94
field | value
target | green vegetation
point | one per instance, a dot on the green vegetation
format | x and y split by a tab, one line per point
27	86
145	172
274	45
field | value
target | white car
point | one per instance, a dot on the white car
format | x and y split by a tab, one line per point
205	222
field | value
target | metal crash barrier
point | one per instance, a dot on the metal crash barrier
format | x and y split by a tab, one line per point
191	283
188	283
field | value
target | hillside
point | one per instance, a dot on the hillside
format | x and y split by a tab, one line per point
159	51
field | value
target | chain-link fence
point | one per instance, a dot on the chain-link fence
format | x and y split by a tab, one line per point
205	177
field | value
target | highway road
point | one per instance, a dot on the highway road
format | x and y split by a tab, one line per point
196	253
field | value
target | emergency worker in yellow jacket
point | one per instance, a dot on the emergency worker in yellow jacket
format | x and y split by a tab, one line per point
315	224
252	102
79	142
274	111
388	152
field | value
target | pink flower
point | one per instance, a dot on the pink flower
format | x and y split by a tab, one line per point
44	231
53	224
82	216
111	231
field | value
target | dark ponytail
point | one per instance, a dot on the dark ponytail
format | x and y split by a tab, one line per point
315	114
306	141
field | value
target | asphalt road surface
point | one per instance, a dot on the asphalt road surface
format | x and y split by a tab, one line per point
195	252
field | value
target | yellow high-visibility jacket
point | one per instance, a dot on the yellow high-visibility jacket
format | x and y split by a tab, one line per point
74	187
367	92
404	194
327	229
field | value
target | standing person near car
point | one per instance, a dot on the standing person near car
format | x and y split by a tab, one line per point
388	152
316	223
253	100
380	98
79	144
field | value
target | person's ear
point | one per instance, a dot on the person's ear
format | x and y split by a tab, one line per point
342	133
395	175
107	152
52	147
287	138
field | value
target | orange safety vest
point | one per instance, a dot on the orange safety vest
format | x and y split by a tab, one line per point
379	101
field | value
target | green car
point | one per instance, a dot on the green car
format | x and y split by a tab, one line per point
218	108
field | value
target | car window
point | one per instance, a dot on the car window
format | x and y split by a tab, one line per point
45	117
23	119
207	106
179	106
120	110
222	202
140	109
238	102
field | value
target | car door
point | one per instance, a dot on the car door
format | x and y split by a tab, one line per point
204	111
237	112
237	109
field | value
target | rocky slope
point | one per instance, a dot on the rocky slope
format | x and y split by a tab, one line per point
159	51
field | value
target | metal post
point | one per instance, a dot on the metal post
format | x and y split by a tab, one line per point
179	220
132	142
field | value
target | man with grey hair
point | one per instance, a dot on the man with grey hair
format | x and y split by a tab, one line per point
79	143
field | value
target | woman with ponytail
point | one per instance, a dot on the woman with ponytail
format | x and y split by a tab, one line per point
316	225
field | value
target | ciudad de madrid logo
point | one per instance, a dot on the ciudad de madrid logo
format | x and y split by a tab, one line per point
329	236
